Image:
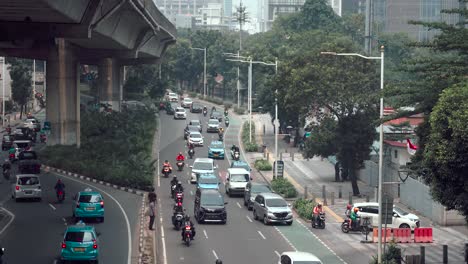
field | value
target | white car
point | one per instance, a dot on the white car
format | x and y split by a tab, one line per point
401	218
180	113
195	138
187	103
296	257
173	97
237	179
212	126
202	166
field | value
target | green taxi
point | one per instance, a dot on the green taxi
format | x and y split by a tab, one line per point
88	204
80	243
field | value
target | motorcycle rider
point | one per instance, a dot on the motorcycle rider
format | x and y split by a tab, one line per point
174	181
12	150
354	217
348	210
168	165
234	148
180	157
317	211
6	167
218	261
188	222
177	209
59	186
179	187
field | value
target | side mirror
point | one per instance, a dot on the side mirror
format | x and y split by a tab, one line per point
225	202
251	178
219	183
289	204
262	205
395	215
216	167
191	166
98	233
227	179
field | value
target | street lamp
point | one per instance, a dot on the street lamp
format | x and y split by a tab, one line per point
204	69
381	58
236	55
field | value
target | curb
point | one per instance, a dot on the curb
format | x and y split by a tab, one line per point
126	189
141	242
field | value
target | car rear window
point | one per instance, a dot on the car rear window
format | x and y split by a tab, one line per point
276	202
28	181
90	198
79	236
260	188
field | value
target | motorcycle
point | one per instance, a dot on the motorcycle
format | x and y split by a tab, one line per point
177	220
179	197
358	227
225	113
166	172
60	196
226	122
320	222
187	235
221	137
180	165
173	186
43	138
6	174
191	152
11	156
204	112
236	155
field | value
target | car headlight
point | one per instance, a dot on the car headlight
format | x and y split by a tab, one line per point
194	174
270	213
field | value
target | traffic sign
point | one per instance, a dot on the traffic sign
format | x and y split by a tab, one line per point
387	209
280	168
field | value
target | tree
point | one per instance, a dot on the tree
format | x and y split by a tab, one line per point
21	81
445	155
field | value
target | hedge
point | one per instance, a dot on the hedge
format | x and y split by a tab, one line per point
193	95
249	146
263	165
115	148
283	187
304	207
239	110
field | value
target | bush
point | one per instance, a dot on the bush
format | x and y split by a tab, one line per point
214	100
391	256
239	110
115	148
193	95
304	208
250	146
283	187
263	165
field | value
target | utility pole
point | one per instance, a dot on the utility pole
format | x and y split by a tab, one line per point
368	28
241	16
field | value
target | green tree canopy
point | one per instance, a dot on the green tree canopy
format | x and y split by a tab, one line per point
21	82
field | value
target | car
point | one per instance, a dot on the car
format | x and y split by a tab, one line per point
208	181
196	123
7	142
180	113
88	204
33	123
271	208
216	150
200	166
189	129
80	243
217	115
401	218
173	97
251	191
298	257
187	102
241	164
26	186
174	105
21	145
213	126
28	163
170	110
236	180
209	206
196	108
195	138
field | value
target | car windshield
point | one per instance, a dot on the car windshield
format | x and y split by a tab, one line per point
216	145
28	181
202	166
90	198
400	211
241	165
172	94
187	100
195	123
193	135
213	199
210	180
213	122
79	236
276	202
193	128
21	145
180	110
239	178
260	189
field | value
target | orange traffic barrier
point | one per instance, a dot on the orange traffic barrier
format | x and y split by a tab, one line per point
423	235
402	235
386	235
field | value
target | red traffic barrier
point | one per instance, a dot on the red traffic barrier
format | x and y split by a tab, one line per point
423	235
386	235
402	235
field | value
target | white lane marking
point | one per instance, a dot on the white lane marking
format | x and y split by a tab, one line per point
277	253
163	238
53	207
204	232
238	204
129	232
285	238
64	221
191	192
250	220
9	222
214	253
260	233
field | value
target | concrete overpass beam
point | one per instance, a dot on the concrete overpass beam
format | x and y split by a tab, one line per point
110	82
63	99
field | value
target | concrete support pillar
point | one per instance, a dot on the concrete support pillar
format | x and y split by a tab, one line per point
63	95
110	82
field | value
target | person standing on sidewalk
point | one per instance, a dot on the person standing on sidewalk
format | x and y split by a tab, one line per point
152	196
151	214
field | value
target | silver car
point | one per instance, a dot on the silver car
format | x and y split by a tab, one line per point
213	126
251	191
272	208
26	186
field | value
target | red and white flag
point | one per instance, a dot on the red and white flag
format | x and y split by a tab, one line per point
410	147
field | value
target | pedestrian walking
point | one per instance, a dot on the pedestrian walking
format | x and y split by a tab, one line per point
152	196
151	214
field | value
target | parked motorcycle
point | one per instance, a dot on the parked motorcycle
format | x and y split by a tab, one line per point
187	235
60	196
320	222
191	153
180	165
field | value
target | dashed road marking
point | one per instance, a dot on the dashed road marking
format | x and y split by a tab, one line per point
250	220
204	232
277	253
260	233
191	192
53	207
214	253
285	238
238	204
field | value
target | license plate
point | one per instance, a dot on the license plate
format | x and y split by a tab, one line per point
79	249
28	192
216	155
89	208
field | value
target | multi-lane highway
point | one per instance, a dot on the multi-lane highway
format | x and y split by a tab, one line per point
242	239
36	231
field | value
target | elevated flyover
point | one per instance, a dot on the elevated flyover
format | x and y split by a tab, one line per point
67	33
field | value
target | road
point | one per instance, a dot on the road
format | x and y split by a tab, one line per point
241	240
37	229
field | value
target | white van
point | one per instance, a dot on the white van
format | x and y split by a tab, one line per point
401	219
201	166
236	180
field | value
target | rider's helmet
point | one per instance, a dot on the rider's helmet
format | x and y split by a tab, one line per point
319	205
175	177
187	217
356	209
166	161
180	153
179	183
218	261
